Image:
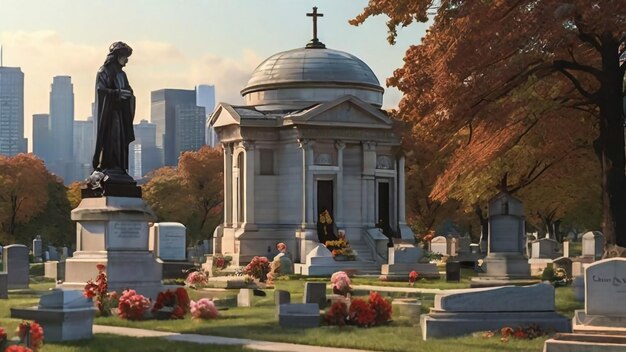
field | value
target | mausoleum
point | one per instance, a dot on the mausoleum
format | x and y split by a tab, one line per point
311	153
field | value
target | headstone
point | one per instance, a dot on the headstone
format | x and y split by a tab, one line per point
63	315
404	258
4	287
453	271
593	245
53	254
15	263
50	269
439	245
605	288
303	315
601	326
566	248
315	292
38	249
565	263
244	298
505	262
168	240
464	244
466	311
282	297
545	248
453	246
409	308
65	252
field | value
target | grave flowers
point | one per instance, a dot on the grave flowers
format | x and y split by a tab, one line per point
204	308
98	290
360	312
30	334
132	306
413	275
171	304
196	279
258	268
341	283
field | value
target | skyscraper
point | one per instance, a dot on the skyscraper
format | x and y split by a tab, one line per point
84	146
42	147
12	139
163	114
62	125
190	128
145	155
205	97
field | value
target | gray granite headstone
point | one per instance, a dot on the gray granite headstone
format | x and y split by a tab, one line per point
37	249
4	288
53	253
315	292
282	297
564	263
605	288
303	315
15	261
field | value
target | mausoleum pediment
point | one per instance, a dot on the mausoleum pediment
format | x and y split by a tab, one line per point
224	115
347	111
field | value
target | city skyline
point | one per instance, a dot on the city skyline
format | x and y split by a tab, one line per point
212	42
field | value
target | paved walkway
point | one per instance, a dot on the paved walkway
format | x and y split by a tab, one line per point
217	340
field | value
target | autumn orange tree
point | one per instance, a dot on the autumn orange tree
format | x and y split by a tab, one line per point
490	76
190	194
23	191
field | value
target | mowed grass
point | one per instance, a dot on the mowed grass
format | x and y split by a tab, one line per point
260	323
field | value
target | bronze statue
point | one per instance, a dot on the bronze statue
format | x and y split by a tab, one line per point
114	113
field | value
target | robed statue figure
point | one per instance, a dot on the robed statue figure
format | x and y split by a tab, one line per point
114	113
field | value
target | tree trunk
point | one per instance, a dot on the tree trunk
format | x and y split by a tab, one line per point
610	145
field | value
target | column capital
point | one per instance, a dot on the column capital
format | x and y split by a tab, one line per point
369	146
247	145
306	144
228	147
340	145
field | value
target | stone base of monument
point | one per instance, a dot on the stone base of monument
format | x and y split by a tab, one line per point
400	272
63	315
114	231
460	312
504	269
320	262
585	343
538	265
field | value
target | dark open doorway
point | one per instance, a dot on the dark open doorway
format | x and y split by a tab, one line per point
325	211
383	209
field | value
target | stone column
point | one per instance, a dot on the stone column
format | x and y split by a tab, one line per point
228	184
401	190
310	160
368	188
248	180
340	145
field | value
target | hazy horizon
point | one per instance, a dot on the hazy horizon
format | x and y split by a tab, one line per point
179	44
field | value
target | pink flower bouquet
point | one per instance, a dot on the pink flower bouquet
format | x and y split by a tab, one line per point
204	308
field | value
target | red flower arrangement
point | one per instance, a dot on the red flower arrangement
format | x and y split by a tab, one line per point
258	268
337	314
18	348
381	307
98	291
172	304
3	339
361	313
375	311
132	305
413	275
31	334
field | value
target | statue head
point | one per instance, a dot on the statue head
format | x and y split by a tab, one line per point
119	51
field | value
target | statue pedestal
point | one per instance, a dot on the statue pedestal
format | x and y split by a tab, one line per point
114	231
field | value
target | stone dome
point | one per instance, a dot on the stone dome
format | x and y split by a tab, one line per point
301	77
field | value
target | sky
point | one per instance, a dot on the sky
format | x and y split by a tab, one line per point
180	44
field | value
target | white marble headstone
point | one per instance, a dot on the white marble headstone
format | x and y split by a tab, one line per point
170	240
593	244
605	287
439	245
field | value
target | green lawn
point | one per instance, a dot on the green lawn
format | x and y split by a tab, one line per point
260	323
